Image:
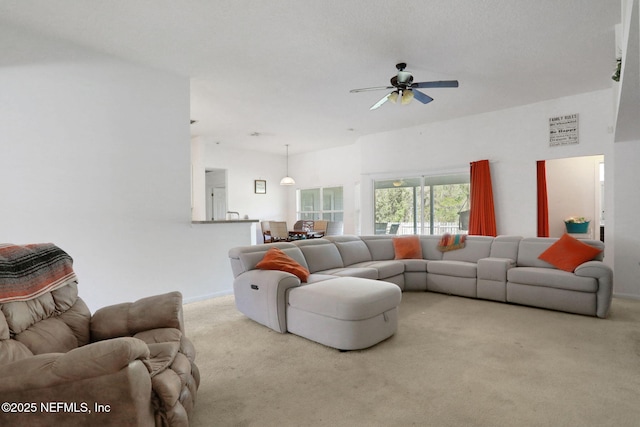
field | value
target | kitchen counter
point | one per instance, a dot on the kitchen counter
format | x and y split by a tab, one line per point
225	221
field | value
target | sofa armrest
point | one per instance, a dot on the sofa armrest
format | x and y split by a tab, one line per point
89	361
495	268
261	295
604	274
105	383
127	319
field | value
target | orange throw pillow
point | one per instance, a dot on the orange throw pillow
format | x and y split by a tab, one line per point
276	259
568	253
407	247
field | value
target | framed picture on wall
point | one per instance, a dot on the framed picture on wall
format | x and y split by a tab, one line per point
260	186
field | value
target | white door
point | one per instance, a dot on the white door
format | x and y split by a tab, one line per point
219	201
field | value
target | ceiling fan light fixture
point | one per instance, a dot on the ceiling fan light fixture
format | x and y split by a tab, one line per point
407	96
404	77
404	88
287	180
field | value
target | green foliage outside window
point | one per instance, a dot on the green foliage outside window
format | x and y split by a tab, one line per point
395	201
394	205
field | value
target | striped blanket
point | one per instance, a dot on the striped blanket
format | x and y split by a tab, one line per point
29	271
449	242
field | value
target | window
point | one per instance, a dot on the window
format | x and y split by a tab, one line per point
321	203
422	205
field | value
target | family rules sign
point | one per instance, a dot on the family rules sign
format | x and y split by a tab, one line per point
563	130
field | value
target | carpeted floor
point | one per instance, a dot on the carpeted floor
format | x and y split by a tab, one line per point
453	362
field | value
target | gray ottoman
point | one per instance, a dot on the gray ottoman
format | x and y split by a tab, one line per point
347	313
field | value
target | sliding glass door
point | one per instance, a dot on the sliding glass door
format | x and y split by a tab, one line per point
422	205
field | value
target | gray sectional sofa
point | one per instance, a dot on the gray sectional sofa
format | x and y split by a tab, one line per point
503	268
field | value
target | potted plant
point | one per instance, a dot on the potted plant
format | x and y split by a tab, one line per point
577	224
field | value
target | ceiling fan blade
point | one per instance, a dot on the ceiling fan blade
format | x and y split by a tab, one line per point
379	103
422	97
366	89
441	83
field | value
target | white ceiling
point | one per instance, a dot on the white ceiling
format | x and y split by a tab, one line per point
284	68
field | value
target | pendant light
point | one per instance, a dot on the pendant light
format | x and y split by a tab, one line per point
287	180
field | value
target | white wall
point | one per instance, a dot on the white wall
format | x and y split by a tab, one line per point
626	175
243	167
626	232
627	155
328	168
512	140
96	158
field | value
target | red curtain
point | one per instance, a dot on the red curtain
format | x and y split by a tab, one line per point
543	207
482	218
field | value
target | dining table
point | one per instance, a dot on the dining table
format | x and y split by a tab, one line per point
303	234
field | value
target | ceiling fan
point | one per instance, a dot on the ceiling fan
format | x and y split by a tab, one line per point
404	88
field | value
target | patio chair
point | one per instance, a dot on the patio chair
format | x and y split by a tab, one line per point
393	229
381	228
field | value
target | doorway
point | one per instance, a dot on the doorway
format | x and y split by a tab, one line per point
575	188
216	194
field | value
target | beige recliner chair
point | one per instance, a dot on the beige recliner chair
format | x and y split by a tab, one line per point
129	364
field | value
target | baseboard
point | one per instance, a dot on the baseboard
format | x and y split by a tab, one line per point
627	296
206	296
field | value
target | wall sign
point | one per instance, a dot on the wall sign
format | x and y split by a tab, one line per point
563	130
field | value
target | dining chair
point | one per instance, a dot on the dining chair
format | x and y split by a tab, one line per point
320	227
266	232
334	228
279	231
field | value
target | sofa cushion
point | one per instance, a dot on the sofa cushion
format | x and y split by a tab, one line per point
50	335
320	254
530	249
476	247
353	252
20	315
453	268
430	247
346	298
380	247
12	350
362	272
568	252
275	259
415	265
407	247
505	247
65	297
319	277
385	269
551	278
